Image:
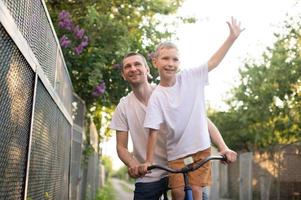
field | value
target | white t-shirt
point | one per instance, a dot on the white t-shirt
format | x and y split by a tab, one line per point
182	109
129	116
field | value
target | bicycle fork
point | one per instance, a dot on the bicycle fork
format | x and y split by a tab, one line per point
187	188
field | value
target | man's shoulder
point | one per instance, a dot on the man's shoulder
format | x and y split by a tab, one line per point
126	99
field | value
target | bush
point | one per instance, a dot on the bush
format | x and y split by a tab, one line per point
106	193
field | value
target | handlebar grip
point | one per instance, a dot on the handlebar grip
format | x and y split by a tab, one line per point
224	158
151	167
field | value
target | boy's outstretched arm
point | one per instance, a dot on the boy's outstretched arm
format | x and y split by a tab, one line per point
151	145
218	140
235	31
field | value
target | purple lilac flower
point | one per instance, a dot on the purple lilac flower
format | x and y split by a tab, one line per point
66	25
99	89
65	21
64	15
86	38
64	41
116	66
84	44
150	55
78	32
79	49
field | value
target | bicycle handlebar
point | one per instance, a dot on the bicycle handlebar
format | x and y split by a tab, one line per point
190	167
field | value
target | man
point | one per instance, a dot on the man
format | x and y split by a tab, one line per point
129	117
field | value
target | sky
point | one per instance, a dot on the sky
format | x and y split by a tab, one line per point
197	42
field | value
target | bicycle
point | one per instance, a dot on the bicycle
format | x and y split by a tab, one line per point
190	166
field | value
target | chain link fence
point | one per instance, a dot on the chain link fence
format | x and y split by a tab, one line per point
42	122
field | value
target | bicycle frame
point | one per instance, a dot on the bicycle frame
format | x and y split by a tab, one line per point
185	170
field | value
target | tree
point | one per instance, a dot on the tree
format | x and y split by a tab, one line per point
265	108
94	36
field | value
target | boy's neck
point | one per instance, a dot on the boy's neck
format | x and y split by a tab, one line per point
168	82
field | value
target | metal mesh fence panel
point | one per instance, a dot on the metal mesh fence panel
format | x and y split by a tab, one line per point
78	111
97	175
32	21
75	163
76	173
16	91
50	149
83	189
91	176
64	147
63	85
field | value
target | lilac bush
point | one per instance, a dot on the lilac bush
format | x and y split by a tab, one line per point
65	21
78	32
64	41
116	66
100	89
79	40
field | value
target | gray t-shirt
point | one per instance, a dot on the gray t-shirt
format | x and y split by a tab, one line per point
129	116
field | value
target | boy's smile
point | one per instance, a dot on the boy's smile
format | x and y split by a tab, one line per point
167	64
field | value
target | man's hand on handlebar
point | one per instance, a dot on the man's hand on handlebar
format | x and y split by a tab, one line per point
143	168
134	172
133	169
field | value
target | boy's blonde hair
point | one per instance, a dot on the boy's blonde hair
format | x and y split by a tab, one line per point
164	45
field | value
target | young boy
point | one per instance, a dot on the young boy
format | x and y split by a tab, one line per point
178	102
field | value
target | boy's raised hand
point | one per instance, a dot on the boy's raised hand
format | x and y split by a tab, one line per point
235	28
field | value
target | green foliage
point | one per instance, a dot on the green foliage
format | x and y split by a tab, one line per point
113	28
265	108
88	150
106	192
122	173
108	165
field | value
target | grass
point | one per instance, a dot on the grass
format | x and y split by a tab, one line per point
106	192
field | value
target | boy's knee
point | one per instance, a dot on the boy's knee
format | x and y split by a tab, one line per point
197	192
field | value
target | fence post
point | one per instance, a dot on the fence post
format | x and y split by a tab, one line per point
245	176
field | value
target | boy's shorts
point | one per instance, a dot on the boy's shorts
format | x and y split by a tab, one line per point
200	177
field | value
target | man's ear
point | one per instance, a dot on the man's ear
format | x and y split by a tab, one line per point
154	61
123	76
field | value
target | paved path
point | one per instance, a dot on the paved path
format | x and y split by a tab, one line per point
123	190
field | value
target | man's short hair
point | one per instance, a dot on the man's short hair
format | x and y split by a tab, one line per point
134	54
164	45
